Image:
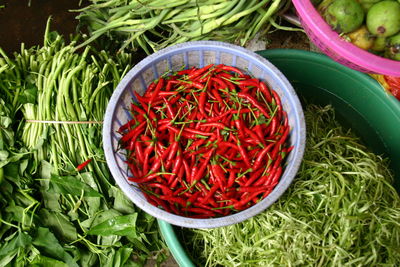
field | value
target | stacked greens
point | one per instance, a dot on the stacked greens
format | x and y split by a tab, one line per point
156	24
341	210
52	214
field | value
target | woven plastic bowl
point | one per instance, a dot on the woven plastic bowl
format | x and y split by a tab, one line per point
331	44
199	54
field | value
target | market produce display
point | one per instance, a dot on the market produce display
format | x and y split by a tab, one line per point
202	143
59	204
206	142
340	210
154	24
371	25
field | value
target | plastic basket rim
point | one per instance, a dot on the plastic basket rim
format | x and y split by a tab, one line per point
290	169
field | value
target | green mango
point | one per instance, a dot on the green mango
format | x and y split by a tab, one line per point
383	18
344	15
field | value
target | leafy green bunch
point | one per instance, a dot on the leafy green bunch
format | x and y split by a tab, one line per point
52	102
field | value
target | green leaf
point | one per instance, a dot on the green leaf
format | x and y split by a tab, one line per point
100	217
43	261
12	174
3	155
19	241
88	259
6	259
93	202
51	247
71	185
18	214
121	202
59	224
121	225
50	199
29	95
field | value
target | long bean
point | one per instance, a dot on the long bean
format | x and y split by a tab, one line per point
155	24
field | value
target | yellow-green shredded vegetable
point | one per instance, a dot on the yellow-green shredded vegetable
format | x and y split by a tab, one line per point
341	210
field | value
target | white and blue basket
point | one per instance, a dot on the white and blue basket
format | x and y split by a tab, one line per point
199	54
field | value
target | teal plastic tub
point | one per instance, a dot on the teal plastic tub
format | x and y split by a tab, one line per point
360	103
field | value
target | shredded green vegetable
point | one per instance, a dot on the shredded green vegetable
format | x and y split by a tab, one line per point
341	210
155	24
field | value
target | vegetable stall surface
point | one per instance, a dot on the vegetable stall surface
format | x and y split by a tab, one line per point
59	205
154	24
340	210
205	142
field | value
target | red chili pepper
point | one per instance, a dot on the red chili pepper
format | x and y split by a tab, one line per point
165	189
260	158
277	99
125	138
194	131
146	156
264	89
186	71
255	103
144	179
202	101
219	175
253	177
249	82
157	90
193	198
243	153
127	125
231	179
139	151
200	211
176	168
230	68
156	201
173	200
199	72
203	167
218	125
170	110
83	165
192	84
220	82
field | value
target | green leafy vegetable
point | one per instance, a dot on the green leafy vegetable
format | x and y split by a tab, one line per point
52	102
71	185
341	210
120	225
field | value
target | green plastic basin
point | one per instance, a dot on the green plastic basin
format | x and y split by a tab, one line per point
360	103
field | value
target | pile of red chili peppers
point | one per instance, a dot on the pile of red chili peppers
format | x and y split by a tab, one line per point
206	142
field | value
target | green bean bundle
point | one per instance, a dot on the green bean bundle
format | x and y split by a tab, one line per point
341	210
59	204
154	24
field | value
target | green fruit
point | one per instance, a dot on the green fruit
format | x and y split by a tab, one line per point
383	18
344	15
393	49
379	44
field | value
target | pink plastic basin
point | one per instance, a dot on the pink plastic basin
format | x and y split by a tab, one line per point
330	43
